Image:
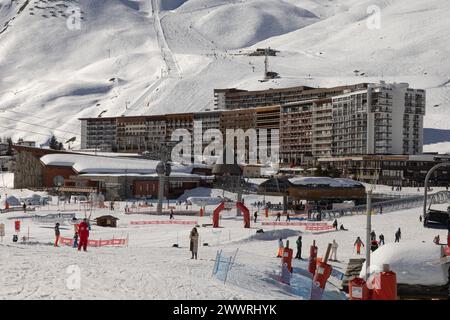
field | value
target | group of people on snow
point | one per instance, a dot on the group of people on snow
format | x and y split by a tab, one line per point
81	235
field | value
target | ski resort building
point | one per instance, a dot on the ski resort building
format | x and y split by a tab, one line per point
116	177
231	99
393	170
357	120
381	119
138	134
99	133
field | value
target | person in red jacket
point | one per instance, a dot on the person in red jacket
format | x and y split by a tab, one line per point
83	231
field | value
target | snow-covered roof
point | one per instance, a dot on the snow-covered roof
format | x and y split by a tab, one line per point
96	165
414	262
325	181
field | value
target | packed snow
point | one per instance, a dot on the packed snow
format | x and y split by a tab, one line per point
149	267
414	262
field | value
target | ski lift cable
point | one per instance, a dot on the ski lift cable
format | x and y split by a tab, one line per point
39	125
34	132
42	118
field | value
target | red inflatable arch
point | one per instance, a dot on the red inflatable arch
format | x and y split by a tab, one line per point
240	206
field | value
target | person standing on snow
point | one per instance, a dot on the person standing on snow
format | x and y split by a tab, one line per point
171	214
381	242
437	239
57	234
75	240
278	217
193	237
83	230
255	215
288	217
280	248
334	247
299	248
335	224
373	235
373	245
358	244
398	235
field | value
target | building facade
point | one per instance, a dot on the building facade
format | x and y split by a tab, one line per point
382	119
393	170
99	133
231	99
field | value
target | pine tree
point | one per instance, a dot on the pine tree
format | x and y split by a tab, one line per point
10	151
53	143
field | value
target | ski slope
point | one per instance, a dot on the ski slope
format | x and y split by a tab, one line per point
153	57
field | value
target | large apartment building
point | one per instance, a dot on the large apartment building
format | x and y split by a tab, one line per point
382	119
99	133
232	99
362	119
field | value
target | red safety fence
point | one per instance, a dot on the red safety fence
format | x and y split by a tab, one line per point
162	222
319	228
447	251
97	243
299	224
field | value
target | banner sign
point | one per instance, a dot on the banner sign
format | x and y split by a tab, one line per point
319	228
299	224
162	222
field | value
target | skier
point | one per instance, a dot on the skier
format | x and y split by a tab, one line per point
278	217
420	218
373	235
83	230
335	224
381	242
193	237
398	235
299	248
280	248
334	247
24	207
288	218
381	210
358	244
171	214
437	239
255	215
57	234
75	240
373	245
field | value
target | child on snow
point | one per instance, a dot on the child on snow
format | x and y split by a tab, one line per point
193	237
358	244
280	248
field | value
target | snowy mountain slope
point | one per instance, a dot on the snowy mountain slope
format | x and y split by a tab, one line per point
52	71
169	55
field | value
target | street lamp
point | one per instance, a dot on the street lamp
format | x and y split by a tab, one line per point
163	169
368	229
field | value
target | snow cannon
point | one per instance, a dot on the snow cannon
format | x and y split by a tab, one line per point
358	289
312	258
323	270
287	256
384	284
